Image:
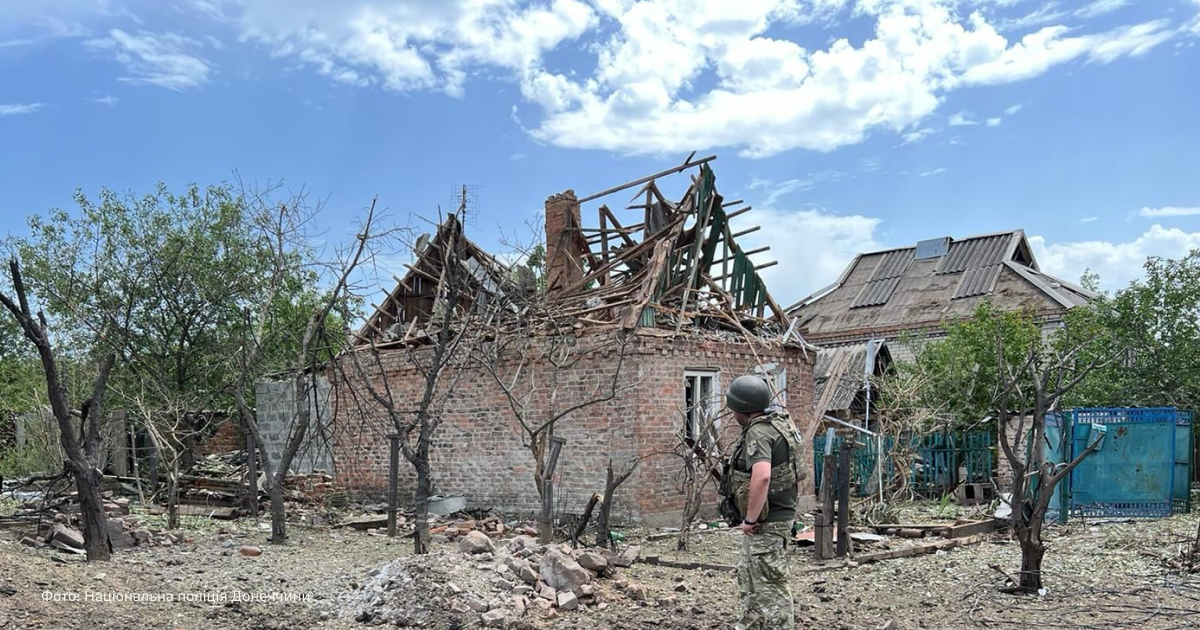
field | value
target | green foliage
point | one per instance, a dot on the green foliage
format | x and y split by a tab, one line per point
954	380
1155	321
169	282
1153	325
22	461
21	384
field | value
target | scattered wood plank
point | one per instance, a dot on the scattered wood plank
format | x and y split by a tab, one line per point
921	548
220	513
676	564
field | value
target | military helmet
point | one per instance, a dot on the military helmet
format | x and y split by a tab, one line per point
748	394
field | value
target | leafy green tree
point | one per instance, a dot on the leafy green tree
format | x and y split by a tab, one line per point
1156	323
954	379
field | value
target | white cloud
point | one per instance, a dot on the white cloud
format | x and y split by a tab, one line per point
162	59
802	270
1117	263
961	119
937	171
1053	11
16	109
1089	219
1100	7
917	135
673	75
994	122
1011	110
1169	211
106	100
421	44
772	95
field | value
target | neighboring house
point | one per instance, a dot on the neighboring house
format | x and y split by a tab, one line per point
913	292
670	276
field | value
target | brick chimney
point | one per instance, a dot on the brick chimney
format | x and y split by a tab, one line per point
564	242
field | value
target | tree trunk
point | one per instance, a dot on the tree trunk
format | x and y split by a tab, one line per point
91	509
603	539
251	474
173	501
421	509
1032	552
278	509
583	521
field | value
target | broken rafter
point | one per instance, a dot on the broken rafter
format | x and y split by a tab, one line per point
745	231
738	212
649	178
655	271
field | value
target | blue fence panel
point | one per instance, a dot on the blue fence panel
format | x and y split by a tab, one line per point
1181	501
1133	473
938	457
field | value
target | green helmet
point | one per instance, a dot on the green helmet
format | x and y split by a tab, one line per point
748	394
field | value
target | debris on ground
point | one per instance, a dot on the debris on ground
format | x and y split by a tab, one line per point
494	584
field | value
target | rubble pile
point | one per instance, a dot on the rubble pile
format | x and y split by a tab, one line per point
496	585
491	526
315	487
125	531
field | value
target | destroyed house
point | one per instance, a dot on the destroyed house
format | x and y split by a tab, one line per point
912	293
663	275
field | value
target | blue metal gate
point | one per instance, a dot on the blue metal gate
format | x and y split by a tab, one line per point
1142	468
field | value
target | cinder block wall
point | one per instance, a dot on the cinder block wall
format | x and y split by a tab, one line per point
478	451
277	406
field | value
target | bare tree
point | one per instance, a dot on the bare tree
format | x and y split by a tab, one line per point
1030	393
82	447
282	225
701	458
439	354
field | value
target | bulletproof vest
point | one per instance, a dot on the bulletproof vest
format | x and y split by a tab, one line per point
736	481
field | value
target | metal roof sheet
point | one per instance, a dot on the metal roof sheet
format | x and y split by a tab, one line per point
976	252
977	281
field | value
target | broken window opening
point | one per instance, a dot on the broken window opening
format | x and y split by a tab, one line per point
702	404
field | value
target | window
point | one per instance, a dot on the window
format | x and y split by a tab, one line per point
702	401
776	375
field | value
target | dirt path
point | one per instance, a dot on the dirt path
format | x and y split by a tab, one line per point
1100	577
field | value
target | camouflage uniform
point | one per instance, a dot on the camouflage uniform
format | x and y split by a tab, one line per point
763	588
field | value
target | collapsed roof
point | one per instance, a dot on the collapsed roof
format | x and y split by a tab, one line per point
677	270
913	288
404	315
678	267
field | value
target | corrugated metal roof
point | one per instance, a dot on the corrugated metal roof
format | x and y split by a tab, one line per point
975	252
876	292
883	282
893	265
849	382
977	281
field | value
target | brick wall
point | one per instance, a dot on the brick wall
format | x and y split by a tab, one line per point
227	437
478	453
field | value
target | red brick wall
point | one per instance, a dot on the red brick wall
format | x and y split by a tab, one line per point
477	451
228	437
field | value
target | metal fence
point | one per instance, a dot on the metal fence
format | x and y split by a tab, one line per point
934	461
1143	465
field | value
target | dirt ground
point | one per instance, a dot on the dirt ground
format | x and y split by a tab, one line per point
1106	575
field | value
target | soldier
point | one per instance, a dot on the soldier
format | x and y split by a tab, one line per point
762	476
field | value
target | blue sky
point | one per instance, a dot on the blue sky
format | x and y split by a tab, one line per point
848	124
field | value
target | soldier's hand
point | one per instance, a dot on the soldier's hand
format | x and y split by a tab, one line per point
749	529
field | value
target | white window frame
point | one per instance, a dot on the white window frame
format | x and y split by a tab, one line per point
691	427
778	378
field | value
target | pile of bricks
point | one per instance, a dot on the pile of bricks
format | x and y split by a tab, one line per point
491	526
124	531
